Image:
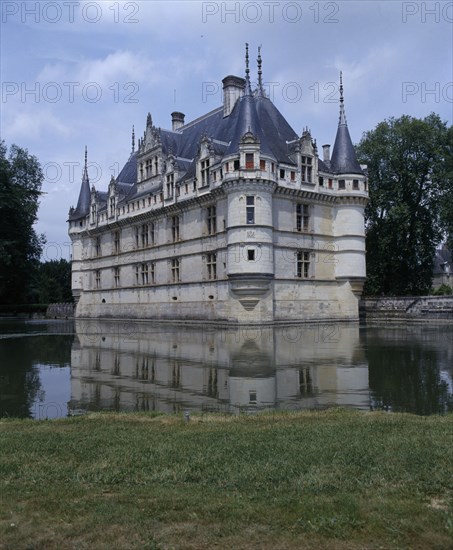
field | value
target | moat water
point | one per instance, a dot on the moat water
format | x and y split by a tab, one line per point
54	369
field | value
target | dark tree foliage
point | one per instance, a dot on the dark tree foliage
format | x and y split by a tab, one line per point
20	247
53	282
406	217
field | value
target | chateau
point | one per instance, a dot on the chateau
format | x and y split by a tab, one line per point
232	217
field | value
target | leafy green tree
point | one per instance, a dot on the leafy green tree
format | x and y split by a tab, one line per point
405	218
53	282
20	247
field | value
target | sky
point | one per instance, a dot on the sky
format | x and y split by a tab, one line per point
82	73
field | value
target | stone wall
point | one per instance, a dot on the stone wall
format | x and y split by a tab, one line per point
413	308
60	311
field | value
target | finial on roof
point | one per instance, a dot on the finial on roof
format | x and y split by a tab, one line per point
133	138
342	111
85	168
248	90
260	90
149	120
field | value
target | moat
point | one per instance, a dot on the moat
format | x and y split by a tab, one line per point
54	369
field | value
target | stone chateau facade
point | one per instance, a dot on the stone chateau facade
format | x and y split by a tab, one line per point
232	217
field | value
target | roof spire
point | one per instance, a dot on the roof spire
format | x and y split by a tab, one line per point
344	158
83	204
248	90
260	90
85	168
342	112
133	138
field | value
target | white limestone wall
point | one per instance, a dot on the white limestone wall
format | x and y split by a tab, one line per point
349	232
257	237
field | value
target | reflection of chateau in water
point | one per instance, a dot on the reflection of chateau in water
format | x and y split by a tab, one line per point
140	366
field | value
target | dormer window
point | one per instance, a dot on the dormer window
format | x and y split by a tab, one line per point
355	184
341	184
170	184
204	172
307	169
249	161
236	165
93	212
112	205
148	168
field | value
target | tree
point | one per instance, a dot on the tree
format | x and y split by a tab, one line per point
20	247
405	218
53	282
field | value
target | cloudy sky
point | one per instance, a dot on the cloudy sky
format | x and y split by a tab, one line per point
82	73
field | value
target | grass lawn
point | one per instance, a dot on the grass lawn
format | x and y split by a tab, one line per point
335	479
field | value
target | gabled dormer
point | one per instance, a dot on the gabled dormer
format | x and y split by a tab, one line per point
249	152
112	200
206	160
308	157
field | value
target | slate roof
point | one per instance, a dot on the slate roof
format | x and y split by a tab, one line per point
253	112
83	204
344	158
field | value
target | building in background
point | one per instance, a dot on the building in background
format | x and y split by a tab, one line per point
231	217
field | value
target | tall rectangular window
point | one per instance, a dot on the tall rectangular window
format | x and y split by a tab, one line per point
302	217
175	228
250	206
144	274
116	242
137	274
303	264
175	275
112	206
98	278
144	235
137	236
116	277
170	184
249	161
204	172
152	233
98	247
341	184
211	264
355	184
307	169
211	219
262	164
152	273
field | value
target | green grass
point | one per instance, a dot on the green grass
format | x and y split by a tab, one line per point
335	479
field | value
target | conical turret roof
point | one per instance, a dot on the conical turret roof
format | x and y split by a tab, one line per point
344	158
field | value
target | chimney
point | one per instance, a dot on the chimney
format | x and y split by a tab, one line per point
233	89
326	153
177	120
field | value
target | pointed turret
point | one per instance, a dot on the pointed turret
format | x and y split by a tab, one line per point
83	204
344	158
133	139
